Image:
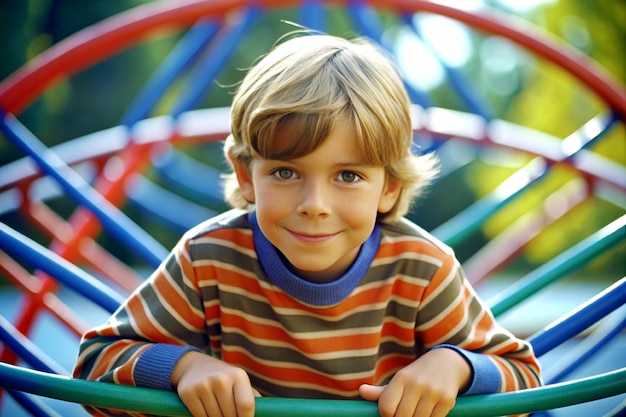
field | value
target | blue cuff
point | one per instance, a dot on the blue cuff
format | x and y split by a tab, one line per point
155	366
485	375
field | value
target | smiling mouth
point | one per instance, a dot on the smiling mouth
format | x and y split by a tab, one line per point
312	238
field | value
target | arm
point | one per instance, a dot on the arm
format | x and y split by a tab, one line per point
454	317
158	339
468	353
143	340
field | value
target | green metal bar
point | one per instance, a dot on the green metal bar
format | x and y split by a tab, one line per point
567	262
151	401
460	227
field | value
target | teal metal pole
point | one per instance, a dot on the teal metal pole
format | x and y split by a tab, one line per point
560	266
151	401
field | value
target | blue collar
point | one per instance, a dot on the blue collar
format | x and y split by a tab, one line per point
325	294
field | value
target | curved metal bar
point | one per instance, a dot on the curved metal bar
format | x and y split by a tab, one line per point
224	45
456	78
566	262
190	178
211	125
590	133
168	207
33	405
585	350
473	217
21	247
178	59
365	19
580	319
26	349
78	189
111	35
151	401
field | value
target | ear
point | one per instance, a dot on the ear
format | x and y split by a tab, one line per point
390	195
244	179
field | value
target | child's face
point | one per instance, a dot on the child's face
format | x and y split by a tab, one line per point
319	208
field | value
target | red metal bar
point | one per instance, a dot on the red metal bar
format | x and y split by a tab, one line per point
121	31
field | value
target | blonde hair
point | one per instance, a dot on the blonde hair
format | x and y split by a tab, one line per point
306	84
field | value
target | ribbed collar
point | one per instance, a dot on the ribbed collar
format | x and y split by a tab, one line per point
325	294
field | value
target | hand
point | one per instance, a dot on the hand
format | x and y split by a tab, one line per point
427	387
210	387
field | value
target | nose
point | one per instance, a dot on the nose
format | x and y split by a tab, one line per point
314	201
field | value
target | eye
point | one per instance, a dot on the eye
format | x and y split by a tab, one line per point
348	177
284	174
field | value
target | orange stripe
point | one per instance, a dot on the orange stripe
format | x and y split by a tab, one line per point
273	333
169	292
288	375
230	235
107	358
145	324
445	324
389	366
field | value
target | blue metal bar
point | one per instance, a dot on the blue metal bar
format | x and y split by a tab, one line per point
186	51
26	349
169	208
225	43
585	350
79	190
561	265
191	178
312	15
580	318
366	20
19	246
456	79
34	406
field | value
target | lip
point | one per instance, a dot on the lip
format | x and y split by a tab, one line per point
312	238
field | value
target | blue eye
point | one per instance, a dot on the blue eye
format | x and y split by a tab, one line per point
349	176
284	173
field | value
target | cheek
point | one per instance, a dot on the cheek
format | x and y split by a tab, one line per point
359	212
271	205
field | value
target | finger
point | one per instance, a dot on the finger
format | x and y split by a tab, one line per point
244	400
408	406
424	408
195	407
441	408
226	403
211	405
389	400
371	392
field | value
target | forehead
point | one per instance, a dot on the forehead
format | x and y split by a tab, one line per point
339	148
298	137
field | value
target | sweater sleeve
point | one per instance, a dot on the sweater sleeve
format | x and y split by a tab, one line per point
143	340
453	316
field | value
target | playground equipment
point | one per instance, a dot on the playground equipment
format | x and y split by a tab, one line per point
141	165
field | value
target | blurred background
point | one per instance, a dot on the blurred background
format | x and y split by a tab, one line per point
515	85
518	86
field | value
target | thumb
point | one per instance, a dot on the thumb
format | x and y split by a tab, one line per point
371	392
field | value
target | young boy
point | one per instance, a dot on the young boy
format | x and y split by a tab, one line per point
314	286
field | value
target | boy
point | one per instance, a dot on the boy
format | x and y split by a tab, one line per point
314	286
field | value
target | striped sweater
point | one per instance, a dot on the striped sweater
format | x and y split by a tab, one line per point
224	290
